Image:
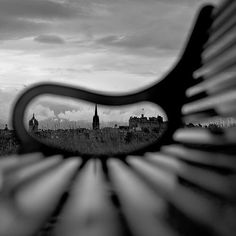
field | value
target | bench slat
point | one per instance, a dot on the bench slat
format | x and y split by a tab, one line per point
227	109
192	203
221	16
88	210
144	211
31	205
219	82
15	162
220	8
206	179
213	101
219	64
222	46
206	158
17	178
205	137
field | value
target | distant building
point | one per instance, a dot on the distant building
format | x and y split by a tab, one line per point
6	128
33	124
140	123
96	125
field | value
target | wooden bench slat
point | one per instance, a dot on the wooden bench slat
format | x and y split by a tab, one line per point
220	7
227	109
219	64
222	46
15	162
213	101
217	34
204	136
144	211
89	211
221	16
219	82
20	176
32	204
196	156
192	203
204	178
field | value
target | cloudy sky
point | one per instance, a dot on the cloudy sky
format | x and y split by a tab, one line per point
108	45
49	112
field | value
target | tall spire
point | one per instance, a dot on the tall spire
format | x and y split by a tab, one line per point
96	110
96	119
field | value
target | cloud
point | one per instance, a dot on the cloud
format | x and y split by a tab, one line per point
110	113
154	32
51	39
41	112
6	101
25	18
35	9
11	29
70	115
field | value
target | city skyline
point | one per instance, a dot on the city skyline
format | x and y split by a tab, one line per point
104	114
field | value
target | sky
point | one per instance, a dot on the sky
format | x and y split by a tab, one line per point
105	45
77	113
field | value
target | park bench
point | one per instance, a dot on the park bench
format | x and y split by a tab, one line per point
183	185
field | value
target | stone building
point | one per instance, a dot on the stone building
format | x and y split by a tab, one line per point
96	125
33	124
140	123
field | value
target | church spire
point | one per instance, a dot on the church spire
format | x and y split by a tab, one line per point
96	110
96	119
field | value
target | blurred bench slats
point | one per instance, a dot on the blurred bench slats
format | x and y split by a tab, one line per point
192	203
222	18
204	178
89	210
26	208
212	159
143	210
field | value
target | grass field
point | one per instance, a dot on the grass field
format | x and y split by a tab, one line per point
104	141
8	143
